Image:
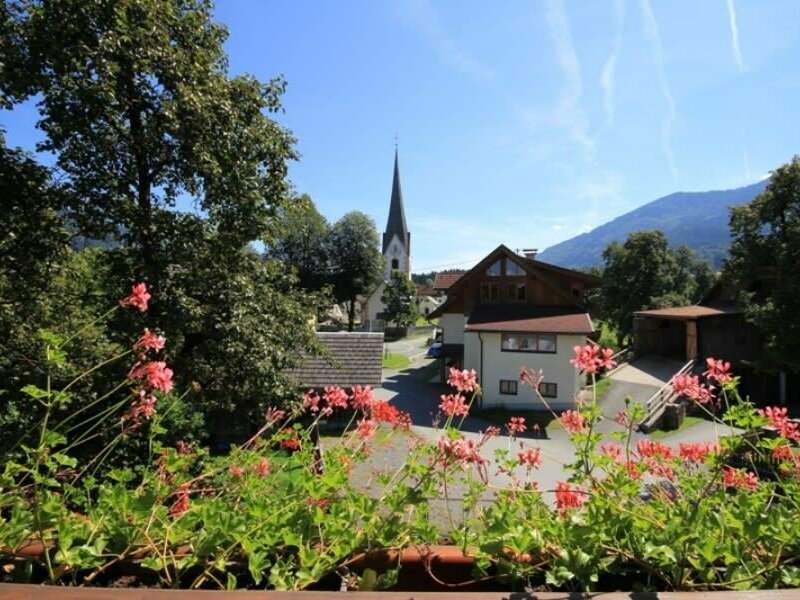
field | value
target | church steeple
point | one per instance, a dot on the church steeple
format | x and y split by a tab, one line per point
396	224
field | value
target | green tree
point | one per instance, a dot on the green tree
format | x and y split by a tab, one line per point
139	110
301	240
764	255
399	298
645	273
356	261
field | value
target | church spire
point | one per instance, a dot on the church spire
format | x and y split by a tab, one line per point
396	224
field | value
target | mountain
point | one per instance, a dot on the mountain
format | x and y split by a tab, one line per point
697	219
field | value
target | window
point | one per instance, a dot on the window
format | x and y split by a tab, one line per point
513	269
516	292
490	292
528	342
495	269
508	387
548	390
395	264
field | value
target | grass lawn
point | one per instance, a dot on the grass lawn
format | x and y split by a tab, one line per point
601	387
689	421
423	322
608	336
395	361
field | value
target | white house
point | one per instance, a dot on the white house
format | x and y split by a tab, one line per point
511	311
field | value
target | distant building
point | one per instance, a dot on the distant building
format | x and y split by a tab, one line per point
511	311
396	249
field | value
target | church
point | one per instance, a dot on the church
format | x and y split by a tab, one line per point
396	249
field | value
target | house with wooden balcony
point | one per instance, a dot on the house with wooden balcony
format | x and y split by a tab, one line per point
510	311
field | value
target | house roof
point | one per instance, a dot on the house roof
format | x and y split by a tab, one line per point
424	290
689	312
396	223
444	279
353	358
534	267
527	318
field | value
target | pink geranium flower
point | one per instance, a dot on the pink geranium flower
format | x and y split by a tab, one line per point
591	358
262	467
530	457
365	429
718	370
362	397
516	425
453	404
138	298
150	341
463	381
154	375
573	421
335	396
739	478
568	497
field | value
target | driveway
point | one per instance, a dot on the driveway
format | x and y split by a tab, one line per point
412	347
410	392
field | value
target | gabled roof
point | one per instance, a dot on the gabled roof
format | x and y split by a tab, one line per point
690	312
538	269
528	318
445	279
396	223
354	359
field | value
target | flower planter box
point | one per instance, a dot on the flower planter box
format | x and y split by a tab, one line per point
32	592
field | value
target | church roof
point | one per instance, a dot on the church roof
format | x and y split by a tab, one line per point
396	224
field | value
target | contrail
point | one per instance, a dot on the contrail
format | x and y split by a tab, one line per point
654	38
609	69
570	114
737	53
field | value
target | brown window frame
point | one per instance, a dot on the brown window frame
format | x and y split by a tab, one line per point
504	336
548	385
509	386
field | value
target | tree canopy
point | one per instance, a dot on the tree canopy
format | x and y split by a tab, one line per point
764	256
356	261
399	298
645	273
302	239
157	147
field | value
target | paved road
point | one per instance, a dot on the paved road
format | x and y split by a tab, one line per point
408	390
413	347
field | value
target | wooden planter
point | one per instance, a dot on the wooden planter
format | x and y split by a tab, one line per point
430	573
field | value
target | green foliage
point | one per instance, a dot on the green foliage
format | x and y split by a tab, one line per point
763	265
645	273
356	261
399	298
139	109
265	516
301	240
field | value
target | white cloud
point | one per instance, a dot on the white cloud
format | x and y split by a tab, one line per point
426	20
737	53
569	114
607	76
654	38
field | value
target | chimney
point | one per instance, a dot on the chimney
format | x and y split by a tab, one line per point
530	252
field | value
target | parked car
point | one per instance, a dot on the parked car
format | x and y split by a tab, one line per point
435	350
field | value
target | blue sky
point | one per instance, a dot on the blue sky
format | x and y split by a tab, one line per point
522	123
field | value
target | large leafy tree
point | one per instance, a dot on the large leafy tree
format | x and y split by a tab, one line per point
138	108
301	240
399	300
356	261
644	272
764	255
